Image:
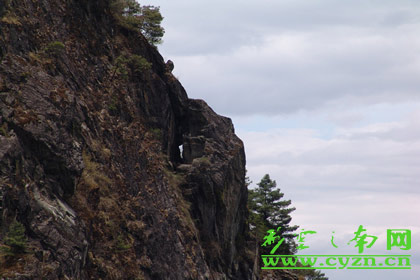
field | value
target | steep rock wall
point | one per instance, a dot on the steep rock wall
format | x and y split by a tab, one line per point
90	161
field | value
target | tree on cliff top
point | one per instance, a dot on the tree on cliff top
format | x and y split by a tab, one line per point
146	19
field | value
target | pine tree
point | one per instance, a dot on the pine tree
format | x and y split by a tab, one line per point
269	211
15	239
151	28
146	19
316	275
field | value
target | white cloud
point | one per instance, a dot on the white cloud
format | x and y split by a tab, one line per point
368	157
294	55
293	71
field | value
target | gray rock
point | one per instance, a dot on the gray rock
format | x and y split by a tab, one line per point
90	161
170	65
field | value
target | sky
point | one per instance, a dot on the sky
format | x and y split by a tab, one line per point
325	96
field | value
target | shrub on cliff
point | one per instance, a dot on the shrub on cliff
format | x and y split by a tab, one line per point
136	63
15	240
55	48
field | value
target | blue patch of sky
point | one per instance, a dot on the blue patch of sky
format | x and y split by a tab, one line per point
322	123
259	123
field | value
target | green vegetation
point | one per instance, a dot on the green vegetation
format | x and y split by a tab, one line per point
312	274
11	19
4	130
93	177
34	58
113	105
46	57
146	19
203	160
269	211
15	240
157	133
120	66
7	14
136	63
55	48
151	20
121	244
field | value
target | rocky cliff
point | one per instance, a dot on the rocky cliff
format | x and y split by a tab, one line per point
92	125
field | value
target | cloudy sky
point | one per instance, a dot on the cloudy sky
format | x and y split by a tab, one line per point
325	95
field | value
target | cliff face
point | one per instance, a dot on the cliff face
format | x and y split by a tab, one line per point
91	124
